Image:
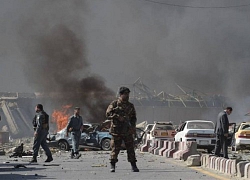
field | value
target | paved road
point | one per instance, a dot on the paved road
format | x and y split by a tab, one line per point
95	165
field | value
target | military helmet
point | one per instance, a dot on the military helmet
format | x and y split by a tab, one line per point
123	90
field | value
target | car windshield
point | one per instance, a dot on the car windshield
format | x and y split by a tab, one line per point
245	127
200	125
149	127
163	127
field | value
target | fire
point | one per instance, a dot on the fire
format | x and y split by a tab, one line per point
61	117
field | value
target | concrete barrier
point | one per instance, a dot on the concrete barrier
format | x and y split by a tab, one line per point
157	143
247	171
181	147
172	151
231	167
223	165
191	149
241	168
211	162
217	163
194	160
144	148
164	147
159	146
171	145
186	149
205	160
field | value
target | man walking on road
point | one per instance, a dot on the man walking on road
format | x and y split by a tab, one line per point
75	127
221	131
41	127
123	121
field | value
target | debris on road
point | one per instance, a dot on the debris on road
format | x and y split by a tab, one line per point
99	165
19	165
51	164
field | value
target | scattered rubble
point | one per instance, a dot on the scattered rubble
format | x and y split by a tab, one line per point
20	165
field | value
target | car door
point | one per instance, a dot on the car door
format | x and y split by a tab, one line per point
180	132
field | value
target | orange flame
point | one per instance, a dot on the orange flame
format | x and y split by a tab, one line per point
61	117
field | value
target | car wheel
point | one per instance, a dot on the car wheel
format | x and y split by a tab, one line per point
63	145
181	140
106	145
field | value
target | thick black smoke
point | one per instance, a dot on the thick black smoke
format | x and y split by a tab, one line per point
53	63
204	49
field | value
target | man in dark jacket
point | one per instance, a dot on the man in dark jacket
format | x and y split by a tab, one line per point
41	127
123	126
75	127
221	131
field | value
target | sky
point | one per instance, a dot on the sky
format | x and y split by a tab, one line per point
118	41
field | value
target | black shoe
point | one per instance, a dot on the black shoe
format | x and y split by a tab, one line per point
77	156
112	169
33	160
134	167
49	159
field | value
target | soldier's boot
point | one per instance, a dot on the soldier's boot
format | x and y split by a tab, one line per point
112	169
49	159
134	167
33	160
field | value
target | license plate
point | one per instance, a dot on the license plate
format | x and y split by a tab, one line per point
164	134
204	142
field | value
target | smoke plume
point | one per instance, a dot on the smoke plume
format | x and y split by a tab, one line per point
56	65
63	42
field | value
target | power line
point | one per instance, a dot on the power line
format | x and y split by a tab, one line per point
198	7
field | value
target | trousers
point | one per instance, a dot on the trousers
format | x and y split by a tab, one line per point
40	140
116	145
75	135
221	143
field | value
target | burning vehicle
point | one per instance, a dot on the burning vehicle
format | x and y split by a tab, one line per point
93	136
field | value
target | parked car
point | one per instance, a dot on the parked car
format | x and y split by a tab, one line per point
92	136
201	131
241	138
161	130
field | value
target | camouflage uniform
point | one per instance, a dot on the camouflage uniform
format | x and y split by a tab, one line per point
122	130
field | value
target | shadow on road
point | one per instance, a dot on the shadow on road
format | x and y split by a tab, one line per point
19	176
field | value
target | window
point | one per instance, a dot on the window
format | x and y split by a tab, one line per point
200	125
245	127
164	127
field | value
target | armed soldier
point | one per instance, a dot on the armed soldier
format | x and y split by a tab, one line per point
41	128
123	121
75	127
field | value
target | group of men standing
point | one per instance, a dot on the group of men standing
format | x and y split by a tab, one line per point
123	128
